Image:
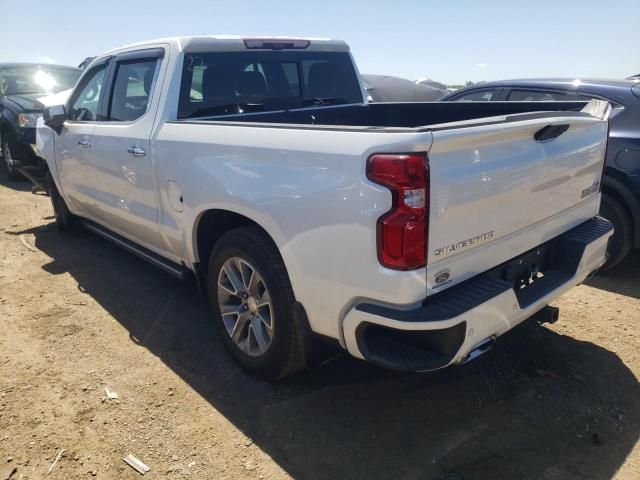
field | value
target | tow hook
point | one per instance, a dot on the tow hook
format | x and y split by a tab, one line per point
548	314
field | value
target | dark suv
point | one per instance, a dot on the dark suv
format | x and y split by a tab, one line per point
20	85
621	181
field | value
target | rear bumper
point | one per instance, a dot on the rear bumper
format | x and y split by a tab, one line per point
455	325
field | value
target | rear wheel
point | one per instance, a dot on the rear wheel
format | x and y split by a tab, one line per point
65	220
252	303
8	162
621	241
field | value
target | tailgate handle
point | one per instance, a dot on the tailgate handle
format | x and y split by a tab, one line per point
550	132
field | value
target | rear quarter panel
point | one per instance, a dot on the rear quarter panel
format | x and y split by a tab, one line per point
307	188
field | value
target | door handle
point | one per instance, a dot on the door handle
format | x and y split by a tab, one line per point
550	132
84	143
137	151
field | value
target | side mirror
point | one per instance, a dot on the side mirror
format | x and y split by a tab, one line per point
54	117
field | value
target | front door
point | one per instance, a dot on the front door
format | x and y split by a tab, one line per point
74	144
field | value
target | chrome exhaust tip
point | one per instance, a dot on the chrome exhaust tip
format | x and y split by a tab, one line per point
483	347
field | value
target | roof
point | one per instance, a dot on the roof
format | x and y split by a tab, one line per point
559	82
41	65
432	83
234	42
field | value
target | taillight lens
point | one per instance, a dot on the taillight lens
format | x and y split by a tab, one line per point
604	163
402	231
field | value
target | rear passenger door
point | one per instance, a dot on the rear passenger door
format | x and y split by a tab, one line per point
127	202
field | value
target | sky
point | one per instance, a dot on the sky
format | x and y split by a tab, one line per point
451	41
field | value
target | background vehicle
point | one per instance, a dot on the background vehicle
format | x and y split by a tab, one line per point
429	82
385	88
621	182
20	85
256	165
53	99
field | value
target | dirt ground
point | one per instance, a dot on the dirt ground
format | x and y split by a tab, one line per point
78	315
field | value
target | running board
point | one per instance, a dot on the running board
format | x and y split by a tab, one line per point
178	271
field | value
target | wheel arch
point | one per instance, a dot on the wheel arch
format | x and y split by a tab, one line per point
210	225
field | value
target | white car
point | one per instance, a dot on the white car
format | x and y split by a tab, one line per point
410	234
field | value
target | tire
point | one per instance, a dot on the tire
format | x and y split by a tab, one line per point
621	241
254	304
65	220
12	173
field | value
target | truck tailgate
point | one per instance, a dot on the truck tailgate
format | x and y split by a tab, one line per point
500	189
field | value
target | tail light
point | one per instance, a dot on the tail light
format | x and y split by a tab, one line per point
402	231
276	43
604	163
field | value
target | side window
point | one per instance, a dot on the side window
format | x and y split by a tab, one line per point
131	89
476	96
517	95
86	103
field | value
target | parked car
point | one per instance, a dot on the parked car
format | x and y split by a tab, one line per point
433	84
410	234
621	182
20	85
386	88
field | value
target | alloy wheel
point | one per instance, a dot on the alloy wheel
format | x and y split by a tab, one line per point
245	306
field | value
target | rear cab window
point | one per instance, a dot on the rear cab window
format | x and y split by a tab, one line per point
227	83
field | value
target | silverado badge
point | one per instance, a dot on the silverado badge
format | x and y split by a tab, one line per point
464	243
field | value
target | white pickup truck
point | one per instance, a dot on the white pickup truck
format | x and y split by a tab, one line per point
411	234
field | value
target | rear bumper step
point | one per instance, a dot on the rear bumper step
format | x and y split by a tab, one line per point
461	323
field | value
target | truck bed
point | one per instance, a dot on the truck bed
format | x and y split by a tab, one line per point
396	116
492	159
